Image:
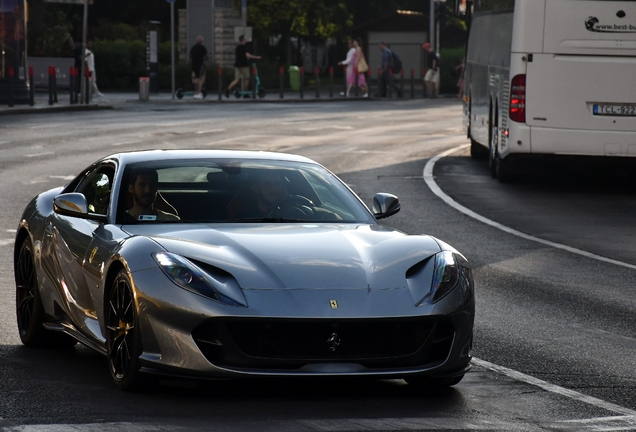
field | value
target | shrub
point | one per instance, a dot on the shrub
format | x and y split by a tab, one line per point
450	58
119	63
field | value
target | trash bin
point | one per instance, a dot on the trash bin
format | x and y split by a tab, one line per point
294	78
144	88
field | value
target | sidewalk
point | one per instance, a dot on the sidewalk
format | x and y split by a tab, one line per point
111	100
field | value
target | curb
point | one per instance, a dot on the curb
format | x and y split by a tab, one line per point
53	108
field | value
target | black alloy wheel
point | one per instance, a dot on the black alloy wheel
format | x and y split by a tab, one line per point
29	309
123	338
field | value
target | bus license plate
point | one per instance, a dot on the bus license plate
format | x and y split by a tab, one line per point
615	110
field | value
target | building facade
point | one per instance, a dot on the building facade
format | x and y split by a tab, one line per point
220	22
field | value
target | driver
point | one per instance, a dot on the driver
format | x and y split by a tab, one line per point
143	187
258	200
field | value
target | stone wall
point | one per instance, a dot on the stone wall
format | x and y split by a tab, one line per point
225	21
183	35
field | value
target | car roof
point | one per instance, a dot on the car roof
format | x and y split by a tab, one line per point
163	155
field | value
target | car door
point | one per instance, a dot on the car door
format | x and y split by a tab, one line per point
69	239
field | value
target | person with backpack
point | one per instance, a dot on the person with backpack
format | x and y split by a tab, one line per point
387	64
431	79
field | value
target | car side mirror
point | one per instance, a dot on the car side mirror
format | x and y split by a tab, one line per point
385	205
71	204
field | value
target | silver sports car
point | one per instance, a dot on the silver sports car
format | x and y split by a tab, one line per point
224	264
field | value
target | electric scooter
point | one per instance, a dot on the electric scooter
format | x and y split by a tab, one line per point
180	93
260	91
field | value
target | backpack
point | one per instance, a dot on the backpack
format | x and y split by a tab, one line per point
396	63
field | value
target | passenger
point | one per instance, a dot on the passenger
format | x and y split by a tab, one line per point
259	199
143	187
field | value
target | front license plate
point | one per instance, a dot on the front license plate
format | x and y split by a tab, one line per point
615	110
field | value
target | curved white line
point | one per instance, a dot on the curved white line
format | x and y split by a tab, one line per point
430	181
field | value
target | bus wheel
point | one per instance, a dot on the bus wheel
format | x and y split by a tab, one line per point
493	155
477	151
502	170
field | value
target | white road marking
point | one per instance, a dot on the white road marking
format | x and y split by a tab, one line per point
430	181
201	132
7	242
245	138
38	154
61	177
294	122
12	230
4	142
552	388
326	127
125	143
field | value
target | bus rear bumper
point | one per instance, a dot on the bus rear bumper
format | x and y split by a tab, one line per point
581	143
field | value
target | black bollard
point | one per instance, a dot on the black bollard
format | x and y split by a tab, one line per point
281	79
412	84
50	86
71	85
317	75
401	83
390	84
331	81
11	77
302	82
31	87
55	85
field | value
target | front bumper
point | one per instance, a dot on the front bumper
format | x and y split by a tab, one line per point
296	332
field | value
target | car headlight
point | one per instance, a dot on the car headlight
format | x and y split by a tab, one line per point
189	276
450	271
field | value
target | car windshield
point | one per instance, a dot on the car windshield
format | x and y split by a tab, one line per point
235	191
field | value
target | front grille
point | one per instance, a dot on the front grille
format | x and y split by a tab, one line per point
290	343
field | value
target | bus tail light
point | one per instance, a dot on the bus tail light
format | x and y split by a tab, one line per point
518	99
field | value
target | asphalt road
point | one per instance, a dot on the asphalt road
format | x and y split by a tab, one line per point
555	330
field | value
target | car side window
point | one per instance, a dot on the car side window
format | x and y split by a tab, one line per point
96	188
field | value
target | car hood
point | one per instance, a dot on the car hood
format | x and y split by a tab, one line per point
298	256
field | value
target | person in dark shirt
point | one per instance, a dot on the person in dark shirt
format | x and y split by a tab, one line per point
198	55
241	66
431	79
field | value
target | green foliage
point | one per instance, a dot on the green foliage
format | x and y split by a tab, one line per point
119	63
450	58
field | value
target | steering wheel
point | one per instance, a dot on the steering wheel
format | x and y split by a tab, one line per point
298	202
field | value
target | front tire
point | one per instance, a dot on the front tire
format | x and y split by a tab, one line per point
123	337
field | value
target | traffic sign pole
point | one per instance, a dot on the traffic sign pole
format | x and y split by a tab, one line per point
172	44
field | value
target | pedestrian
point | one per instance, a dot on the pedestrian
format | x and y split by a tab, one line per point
431	79
361	67
386	64
90	65
460	83
198	57
348	62
241	66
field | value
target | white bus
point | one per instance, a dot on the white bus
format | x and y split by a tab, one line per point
550	77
